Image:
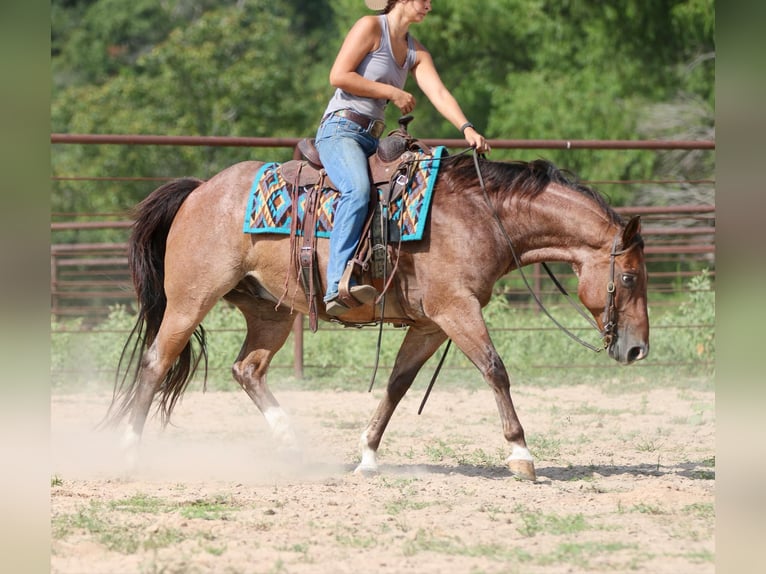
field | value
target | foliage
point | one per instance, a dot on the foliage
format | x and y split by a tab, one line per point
697	343
682	337
519	68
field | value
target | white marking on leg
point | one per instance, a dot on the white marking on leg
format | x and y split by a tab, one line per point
520	453
369	457
129	445
280	426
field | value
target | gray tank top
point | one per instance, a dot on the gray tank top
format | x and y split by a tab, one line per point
379	66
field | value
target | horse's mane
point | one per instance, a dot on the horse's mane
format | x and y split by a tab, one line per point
522	179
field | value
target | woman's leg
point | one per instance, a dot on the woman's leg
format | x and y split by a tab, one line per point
344	155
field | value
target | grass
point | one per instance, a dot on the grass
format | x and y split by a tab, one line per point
107	524
535	523
95	520
584	554
338	358
424	541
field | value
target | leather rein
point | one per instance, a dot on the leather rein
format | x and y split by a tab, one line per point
609	318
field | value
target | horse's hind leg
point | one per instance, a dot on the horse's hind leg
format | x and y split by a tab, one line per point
267	331
174	333
417	347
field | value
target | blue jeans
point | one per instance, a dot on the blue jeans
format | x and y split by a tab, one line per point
344	147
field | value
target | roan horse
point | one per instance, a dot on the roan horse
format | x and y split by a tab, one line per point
187	251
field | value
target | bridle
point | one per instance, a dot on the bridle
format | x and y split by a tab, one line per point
609	319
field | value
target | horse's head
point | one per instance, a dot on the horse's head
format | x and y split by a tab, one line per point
613	288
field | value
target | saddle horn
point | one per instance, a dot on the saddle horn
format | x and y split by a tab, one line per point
404	122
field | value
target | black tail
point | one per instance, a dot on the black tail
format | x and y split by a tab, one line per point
146	255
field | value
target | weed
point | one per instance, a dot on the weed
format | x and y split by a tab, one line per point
703	474
205	509
536	523
647	509
545	447
400	505
700	509
581	553
701	556
351	537
454	546
440	452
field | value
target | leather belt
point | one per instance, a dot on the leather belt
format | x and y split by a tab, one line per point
372	126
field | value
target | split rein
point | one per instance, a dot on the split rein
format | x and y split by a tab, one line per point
609	318
610	312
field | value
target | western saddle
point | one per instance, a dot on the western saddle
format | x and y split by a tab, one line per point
391	169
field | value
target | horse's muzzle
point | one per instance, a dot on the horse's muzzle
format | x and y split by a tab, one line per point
627	350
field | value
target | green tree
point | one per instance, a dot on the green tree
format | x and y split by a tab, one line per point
235	71
521	69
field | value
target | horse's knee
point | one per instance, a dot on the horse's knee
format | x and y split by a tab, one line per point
247	373
496	374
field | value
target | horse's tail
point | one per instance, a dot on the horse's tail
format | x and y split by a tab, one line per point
146	255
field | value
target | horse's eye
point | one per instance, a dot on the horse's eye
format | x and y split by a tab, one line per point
628	280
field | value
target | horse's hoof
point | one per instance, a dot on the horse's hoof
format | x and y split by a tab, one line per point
523	469
366	471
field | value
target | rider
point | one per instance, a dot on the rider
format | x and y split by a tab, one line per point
369	71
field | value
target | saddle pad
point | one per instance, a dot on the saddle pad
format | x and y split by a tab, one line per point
269	207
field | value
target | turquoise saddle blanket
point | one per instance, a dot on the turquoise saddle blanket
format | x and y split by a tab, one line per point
269	206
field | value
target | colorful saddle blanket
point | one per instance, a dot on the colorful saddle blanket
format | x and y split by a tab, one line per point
269	207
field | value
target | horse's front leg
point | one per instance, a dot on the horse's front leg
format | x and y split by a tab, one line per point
464	324
416	348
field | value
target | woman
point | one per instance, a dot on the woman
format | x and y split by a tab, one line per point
370	70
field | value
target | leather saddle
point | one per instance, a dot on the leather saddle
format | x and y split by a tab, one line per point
390	170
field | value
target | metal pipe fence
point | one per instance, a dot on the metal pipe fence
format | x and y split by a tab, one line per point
87	278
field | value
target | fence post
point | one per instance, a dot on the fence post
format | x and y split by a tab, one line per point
54	286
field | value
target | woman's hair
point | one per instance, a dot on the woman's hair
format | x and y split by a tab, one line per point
389	6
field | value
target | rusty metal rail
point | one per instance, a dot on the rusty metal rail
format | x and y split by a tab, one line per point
88	278
226	141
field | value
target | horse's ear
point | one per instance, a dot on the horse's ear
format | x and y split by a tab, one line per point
632	229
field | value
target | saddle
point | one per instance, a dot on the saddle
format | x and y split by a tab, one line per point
390	170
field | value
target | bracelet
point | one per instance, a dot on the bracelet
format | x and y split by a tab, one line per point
465	126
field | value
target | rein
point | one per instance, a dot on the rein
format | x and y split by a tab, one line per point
610	325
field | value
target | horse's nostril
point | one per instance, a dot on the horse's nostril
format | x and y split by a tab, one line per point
636	353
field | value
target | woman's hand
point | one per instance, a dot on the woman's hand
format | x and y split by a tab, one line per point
476	140
404	101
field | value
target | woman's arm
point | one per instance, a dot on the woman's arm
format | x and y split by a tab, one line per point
363	38
430	82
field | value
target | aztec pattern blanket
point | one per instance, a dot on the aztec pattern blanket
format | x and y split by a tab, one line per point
269	206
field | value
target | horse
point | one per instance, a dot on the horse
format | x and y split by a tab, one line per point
187	250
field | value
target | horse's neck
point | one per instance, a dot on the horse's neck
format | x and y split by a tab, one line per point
563	226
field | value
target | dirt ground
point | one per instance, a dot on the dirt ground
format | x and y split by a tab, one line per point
626	482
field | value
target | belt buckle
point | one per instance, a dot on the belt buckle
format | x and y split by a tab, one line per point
376	128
